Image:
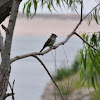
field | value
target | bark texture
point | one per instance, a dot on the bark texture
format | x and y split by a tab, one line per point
6	50
5	9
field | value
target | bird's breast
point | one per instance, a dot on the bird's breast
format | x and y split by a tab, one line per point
52	41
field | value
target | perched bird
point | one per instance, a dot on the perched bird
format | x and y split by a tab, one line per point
50	41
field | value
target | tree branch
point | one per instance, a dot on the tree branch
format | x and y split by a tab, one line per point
7	95
86	42
91	11
12	89
5	63
5	29
41	53
9	34
81	10
50	76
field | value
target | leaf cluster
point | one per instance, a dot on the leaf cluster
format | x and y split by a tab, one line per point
94	15
90	61
65	72
51	4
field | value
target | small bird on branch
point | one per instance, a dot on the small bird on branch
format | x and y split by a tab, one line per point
50	41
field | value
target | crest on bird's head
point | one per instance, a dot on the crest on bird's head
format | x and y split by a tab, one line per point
52	34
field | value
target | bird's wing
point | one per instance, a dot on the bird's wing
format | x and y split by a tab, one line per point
47	42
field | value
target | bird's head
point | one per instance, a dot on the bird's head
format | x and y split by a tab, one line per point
54	35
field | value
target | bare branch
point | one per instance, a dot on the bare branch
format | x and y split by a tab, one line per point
7	95
6	29
80	17
50	76
12	89
86	42
5	63
91	11
41	53
81	10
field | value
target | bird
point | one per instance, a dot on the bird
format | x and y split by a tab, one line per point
50	41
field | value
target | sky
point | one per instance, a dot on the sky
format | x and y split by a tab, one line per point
88	5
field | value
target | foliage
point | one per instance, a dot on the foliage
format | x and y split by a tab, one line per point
95	96
70	4
76	63
68	85
94	15
73	5
65	72
90	61
62	73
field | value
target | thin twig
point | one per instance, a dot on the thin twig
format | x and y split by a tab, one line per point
55	89
68	70
12	89
91	11
80	18
50	76
5	29
55	72
54	60
7	95
81	10
86	42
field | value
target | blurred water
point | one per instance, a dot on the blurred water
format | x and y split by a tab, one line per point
30	77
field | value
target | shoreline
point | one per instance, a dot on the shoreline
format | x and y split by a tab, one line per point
53	16
79	94
44	25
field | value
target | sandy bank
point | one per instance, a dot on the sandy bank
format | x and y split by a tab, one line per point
79	94
44	25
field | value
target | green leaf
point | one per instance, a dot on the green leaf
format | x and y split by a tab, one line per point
49	6
95	16
93	81
90	61
25	6
96	80
85	60
58	2
35	5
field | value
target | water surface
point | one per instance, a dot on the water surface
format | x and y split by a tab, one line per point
30	77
